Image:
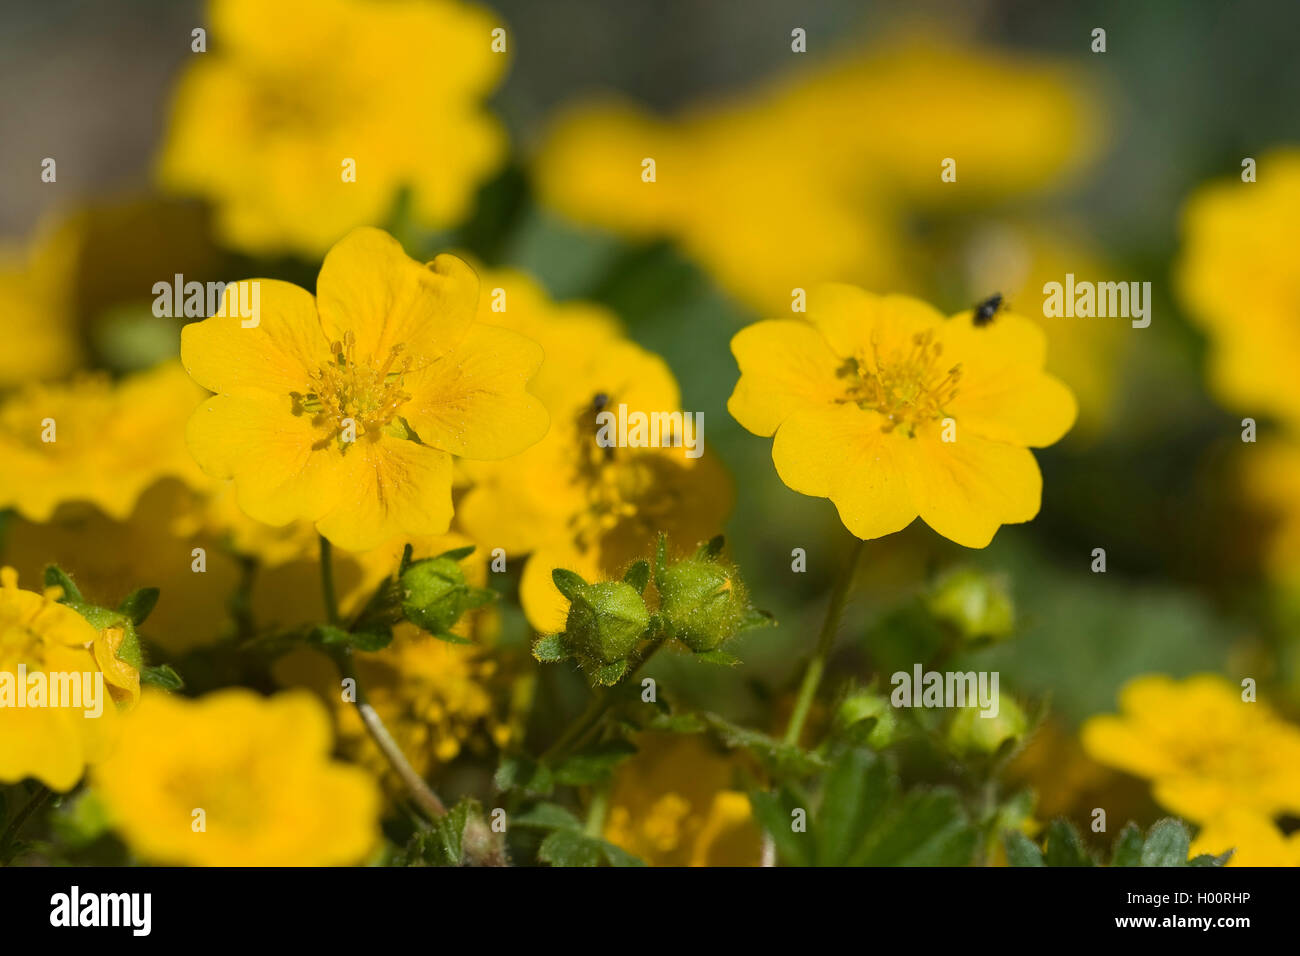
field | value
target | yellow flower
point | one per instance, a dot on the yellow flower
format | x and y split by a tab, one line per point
892	412
36	306
1254	839
584	507
436	698
1204	748
345	409
258	769
1238	277
789	186
672	805
295	89
93	441
51	743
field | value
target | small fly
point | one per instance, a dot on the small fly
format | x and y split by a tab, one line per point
986	310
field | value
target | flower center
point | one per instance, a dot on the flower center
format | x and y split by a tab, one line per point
907	387
355	398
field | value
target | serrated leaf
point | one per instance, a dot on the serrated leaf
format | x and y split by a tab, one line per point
162	676
638	575
607	675
926	828
1167	844
617	856
1206	859
567	848
56	577
550	648
139	604
1064	848
853	795
783	758
569	583
595	765
547	816
1021	851
1128	846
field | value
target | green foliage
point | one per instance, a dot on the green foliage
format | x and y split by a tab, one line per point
865	818
1165	844
567	843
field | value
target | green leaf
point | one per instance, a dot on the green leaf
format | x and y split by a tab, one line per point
775	813
617	856
1064	848
519	772
139	604
56	577
676	723
853	795
458	554
927	828
1205	859
638	575
785	759
162	676
713	547
1128	846
567	848
1167	844
1021	851
450	637
607	675
718	657
547	816
568	582
407	553
595	765
549	648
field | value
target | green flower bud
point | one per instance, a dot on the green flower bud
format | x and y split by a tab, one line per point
606	621
972	732
434	593
702	598
977	604
103	618
867	718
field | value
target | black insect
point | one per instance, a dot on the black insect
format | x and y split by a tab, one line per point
599	402
985	311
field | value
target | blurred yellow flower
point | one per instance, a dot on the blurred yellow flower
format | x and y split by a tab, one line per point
308	116
36	305
345	409
1254	839
1268	475
93	441
235	779
1204	749
1239	279
812	178
892	412
585	507
672	805
52	742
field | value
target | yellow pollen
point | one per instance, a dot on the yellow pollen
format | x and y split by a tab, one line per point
347	390
906	387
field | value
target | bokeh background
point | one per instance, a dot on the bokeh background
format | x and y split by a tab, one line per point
1185	90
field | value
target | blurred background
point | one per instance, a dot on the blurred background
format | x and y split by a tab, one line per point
1183	92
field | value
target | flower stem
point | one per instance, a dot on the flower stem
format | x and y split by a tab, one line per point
812	676
423	796
596	709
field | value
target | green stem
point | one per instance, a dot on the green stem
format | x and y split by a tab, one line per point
421	793
596	709
812	676
15	827
597	810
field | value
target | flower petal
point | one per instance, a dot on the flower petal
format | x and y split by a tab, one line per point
368	286
840	452
390	487
854	322
276	355
785	365
473	403
968	488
